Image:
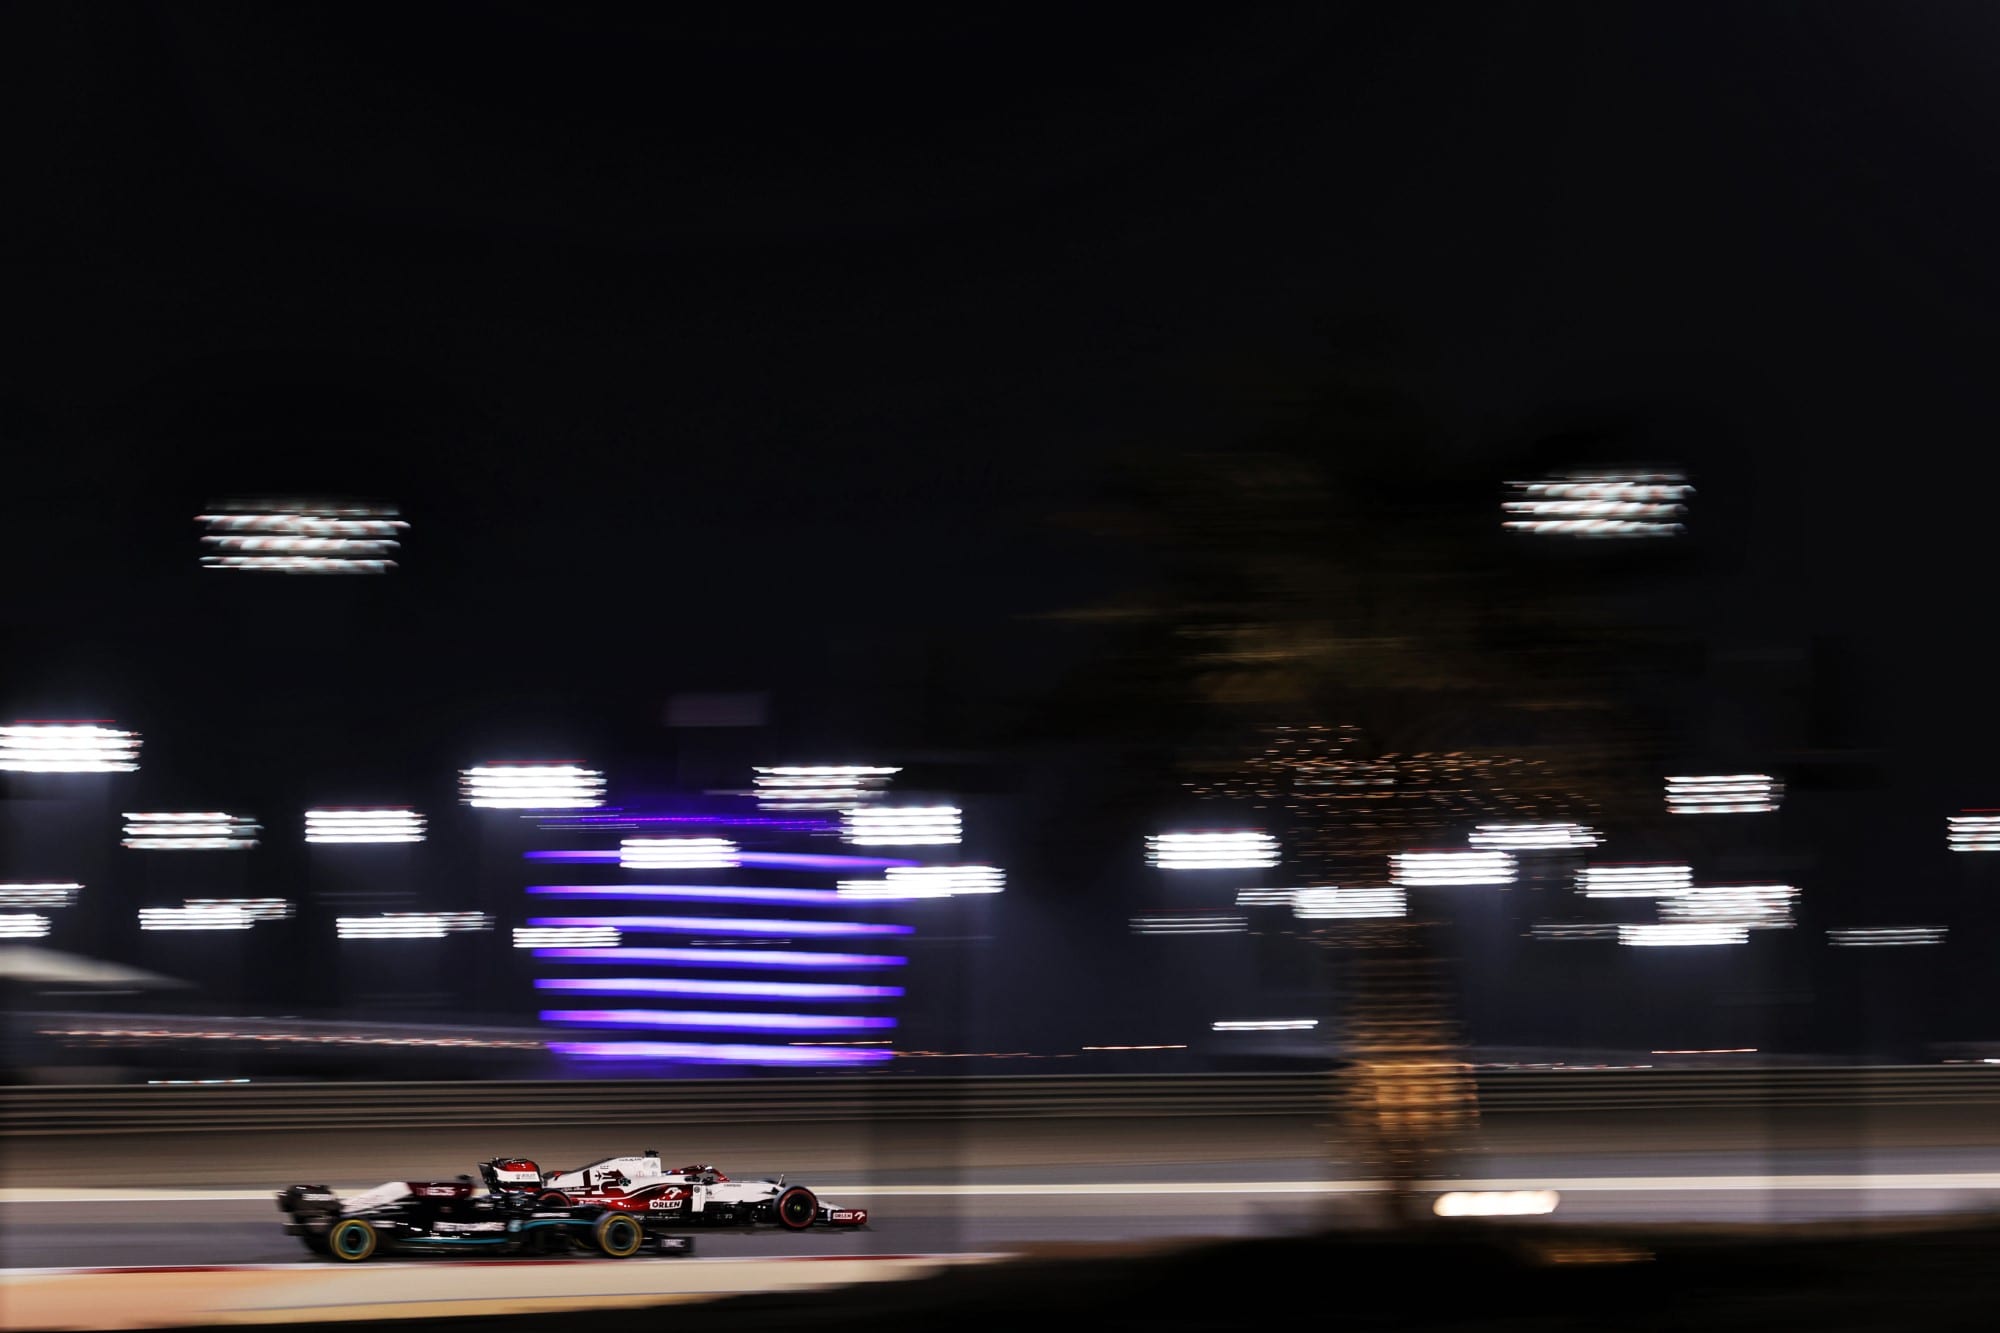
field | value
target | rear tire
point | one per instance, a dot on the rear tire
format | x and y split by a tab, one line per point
618	1236
351	1240
796	1209
553	1199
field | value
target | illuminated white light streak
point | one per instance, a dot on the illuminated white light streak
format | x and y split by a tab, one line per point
1229	849
677	854
301	537
1533	837
214	916
566	937
908	882
352	824
1496	1203
23	926
257	909
1264	1024
410	925
1190	924
1599	504
1424	869
1634	880
1762	906
900	826
188	830
67	747
1881	937
1358	903
818	786
1682	934
38	895
1723	794
1973	832
1265	897
531	786
1574	930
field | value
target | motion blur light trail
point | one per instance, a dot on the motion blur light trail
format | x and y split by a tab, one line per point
1634	881
301	536
1496	1203
1599	504
719	925
411	925
1241	849
356	824
718	1020
701	1053
182	831
1730	794
692	893
1973	831
531	785
728	958
752	990
67	747
677	854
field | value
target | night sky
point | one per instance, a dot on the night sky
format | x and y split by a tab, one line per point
759	352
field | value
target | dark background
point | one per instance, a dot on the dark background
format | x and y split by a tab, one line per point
760	349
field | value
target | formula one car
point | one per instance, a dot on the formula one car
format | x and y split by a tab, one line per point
448	1216
696	1195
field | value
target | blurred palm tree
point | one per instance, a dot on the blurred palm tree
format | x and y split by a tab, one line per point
1331	626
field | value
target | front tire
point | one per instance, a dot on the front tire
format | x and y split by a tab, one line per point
351	1240
796	1209
618	1236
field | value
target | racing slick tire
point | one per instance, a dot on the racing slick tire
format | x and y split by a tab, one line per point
553	1199
351	1240
618	1235
796	1209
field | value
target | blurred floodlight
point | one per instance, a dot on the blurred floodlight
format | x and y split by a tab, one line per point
1723	794
1360	903
208	916
905	882
1229	849
38	895
189	830
67	747
1764	906
1690	933
1877	937
1533	837
410	925
1496	1203
300	536
677	854
531	786
1265	897
1574	930
900	826
1424	869
818	786
357	824
1635	880
566	937
257	909
1599	504
1973	831
1190	923
23	926
1264	1024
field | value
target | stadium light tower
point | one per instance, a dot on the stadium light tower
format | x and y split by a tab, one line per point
67	747
300	536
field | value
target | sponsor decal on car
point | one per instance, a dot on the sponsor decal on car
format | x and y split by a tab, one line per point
459	1228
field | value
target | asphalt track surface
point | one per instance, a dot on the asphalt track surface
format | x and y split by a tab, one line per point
999	1187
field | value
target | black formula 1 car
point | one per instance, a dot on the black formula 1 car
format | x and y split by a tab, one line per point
452	1217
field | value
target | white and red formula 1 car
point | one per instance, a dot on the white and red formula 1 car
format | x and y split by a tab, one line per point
696	1195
